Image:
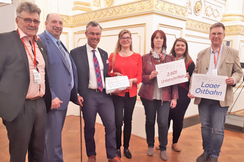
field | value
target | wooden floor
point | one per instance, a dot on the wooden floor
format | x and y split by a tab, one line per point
190	142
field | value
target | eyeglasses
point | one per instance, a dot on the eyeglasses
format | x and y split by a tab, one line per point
125	38
218	34
28	21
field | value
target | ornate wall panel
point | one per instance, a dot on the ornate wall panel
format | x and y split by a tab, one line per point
197	26
212	11
131	9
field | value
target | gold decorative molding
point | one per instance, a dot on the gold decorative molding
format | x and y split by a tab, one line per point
188	5
126	10
108	3
82	3
205	27
197	26
198	7
232	17
209	11
96	3
81	8
234	30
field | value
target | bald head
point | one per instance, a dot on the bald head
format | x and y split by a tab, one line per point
54	24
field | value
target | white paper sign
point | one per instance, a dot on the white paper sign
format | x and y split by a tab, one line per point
209	86
6	1
118	82
171	73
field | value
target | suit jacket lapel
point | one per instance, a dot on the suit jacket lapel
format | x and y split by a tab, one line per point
223	55
85	59
22	50
104	61
56	49
207	57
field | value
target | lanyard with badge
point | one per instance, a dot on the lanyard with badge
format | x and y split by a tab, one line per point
37	76
215	71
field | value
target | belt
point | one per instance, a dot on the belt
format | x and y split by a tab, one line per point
32	99
97	90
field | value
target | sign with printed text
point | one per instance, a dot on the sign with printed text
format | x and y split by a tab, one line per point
171	73
6	1
209	86
117	82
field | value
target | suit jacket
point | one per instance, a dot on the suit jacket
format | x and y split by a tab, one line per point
147	87
229	66
80	58
59	74
14	75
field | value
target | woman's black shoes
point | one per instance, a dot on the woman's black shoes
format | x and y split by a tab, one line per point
127	153
119	153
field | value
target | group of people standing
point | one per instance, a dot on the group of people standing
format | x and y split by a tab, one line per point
39	75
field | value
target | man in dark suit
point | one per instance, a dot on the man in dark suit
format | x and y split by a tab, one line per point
24	89
63	84
216	60
92	67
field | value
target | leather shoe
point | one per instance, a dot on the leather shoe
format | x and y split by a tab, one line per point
127	153
92	158
116	159
212	159
175	147
203	158
119	153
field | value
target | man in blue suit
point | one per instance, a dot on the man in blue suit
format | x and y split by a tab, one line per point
63	83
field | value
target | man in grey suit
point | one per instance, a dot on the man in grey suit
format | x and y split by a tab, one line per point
24	89
92	67
216	60
63	84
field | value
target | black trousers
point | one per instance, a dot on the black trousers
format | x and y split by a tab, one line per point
177	114
124	107
27	132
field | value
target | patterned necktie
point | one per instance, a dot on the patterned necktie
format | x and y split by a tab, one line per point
98	73
64	54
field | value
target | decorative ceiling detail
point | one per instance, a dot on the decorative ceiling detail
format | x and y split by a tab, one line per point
108	3
198	7
125	10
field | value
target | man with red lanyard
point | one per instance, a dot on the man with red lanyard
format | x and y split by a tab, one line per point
216	60
24	89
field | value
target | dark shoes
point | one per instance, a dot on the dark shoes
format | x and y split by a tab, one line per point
92	158
212	159
119	153
127	153
203	158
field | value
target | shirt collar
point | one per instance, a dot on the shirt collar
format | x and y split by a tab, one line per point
23	35
89	48
212	51
52	37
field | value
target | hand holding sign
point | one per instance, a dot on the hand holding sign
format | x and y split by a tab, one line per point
171	73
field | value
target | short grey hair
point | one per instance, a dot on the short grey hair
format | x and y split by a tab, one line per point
218	24
28	7
94	24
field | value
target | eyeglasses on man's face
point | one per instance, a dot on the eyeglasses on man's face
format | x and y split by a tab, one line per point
28	21
217	34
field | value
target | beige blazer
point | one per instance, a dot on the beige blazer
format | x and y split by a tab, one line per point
229	66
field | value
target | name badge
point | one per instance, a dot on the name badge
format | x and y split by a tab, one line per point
214	72
37	77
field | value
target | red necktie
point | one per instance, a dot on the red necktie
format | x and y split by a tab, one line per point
98	73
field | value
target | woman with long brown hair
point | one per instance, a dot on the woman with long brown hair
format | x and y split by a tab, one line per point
180	51
125	62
